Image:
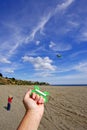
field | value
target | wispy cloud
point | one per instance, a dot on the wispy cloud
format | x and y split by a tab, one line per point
7	69
40	63
78	53
43	74
71	78
12	40
83	36
16	37
4	60
45	19
10	68
37	43
73	24
81	67
68	79
60	46
39	27
36	51
63	5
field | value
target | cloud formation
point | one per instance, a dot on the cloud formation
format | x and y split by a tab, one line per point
81	67
44	20
64	5
60	46
40	63
4	60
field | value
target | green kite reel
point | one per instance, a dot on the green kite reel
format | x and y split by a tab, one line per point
40	93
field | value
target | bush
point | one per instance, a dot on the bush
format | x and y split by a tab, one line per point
1	75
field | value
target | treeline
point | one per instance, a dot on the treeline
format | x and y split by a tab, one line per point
13	81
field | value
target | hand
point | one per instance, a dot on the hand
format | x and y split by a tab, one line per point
34	103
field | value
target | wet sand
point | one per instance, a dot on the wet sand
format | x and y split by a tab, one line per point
66	109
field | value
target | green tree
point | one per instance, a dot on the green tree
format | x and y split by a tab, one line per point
1	75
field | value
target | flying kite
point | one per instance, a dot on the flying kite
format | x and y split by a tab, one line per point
58	55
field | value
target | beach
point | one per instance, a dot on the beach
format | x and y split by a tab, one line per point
66	108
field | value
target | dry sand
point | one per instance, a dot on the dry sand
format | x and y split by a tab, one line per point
66	109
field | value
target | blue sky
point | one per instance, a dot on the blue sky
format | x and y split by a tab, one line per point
33	32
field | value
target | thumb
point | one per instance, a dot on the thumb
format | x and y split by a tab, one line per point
28	93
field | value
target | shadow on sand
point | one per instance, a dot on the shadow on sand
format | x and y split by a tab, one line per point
5	107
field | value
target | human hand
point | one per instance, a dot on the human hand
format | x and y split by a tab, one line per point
34	103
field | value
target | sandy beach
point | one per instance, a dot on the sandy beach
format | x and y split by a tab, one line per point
65	110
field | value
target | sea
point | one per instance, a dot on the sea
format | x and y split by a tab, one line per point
68	85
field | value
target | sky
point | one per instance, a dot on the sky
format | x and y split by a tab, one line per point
33	32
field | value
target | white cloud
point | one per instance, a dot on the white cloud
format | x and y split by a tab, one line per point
10	68
81	67
78	53
69	79
7	70
37	42
13	39
39	27
43	74
40	63
73	24
4	60
64	5
36	51
60	46
83	36
45	19
52	44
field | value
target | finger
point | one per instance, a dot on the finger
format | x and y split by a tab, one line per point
37	97
27	94
41	100
33	96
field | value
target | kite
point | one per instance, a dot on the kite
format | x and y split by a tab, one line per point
58	55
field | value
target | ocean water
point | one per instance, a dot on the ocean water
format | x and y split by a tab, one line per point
74	85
